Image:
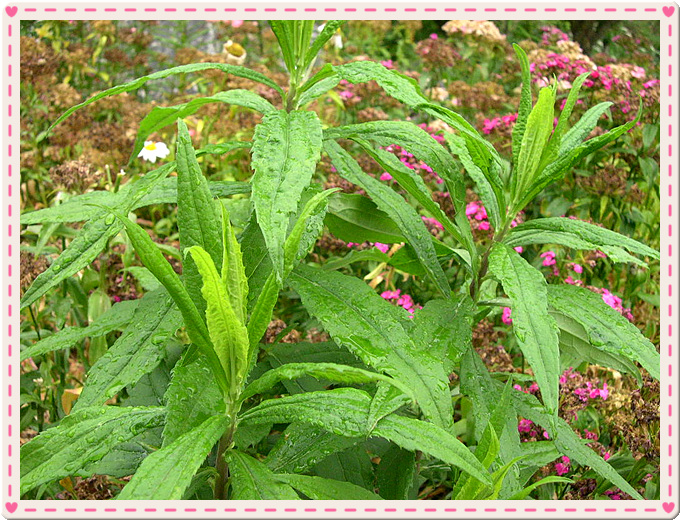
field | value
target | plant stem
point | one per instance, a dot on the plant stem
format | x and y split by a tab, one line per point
484	264
221	465
35	322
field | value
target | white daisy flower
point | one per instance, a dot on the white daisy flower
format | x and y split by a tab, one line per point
153	151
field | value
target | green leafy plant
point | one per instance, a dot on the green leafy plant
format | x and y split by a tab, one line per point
191	427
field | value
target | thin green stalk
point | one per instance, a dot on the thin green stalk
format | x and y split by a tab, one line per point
222	466
225	444
35	322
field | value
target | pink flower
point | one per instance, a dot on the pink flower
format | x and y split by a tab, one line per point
382	247
236	23
577	268
490	124
524	425
507	312
433	36
385	177
484	226
609	299
471	209
561	469
548	258
606	455
391	295
388	64
638	72
519	249
434	222
604	393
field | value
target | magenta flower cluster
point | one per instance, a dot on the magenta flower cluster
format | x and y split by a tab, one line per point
411	162
588	392
402	300
507	121
378	245
477	211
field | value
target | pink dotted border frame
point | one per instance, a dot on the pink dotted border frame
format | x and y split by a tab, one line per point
667	507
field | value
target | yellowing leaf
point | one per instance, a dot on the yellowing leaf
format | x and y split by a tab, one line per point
228	335
233	272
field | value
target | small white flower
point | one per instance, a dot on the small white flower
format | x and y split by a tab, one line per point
153	151
337	41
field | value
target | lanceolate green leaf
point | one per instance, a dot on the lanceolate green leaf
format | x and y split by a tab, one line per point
524	105
302	446
606	328
284	34
582	129
557	169
413	435
389	201
396	474
228	335
444	328
81	438
79	208
406	90
534	141
536	236
355	218
490	187
233	271
342	411
553	147
386	400
286	148
116	318
91	240
154	260
235	70
357	318
532	325
547	480
318	488
412	182
600	237
256	263
303	235
405	134
575	345
160	117
568	443
262	311
136	352
197	216
253	480
192	397
306	230
329	29
332	371
166	473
